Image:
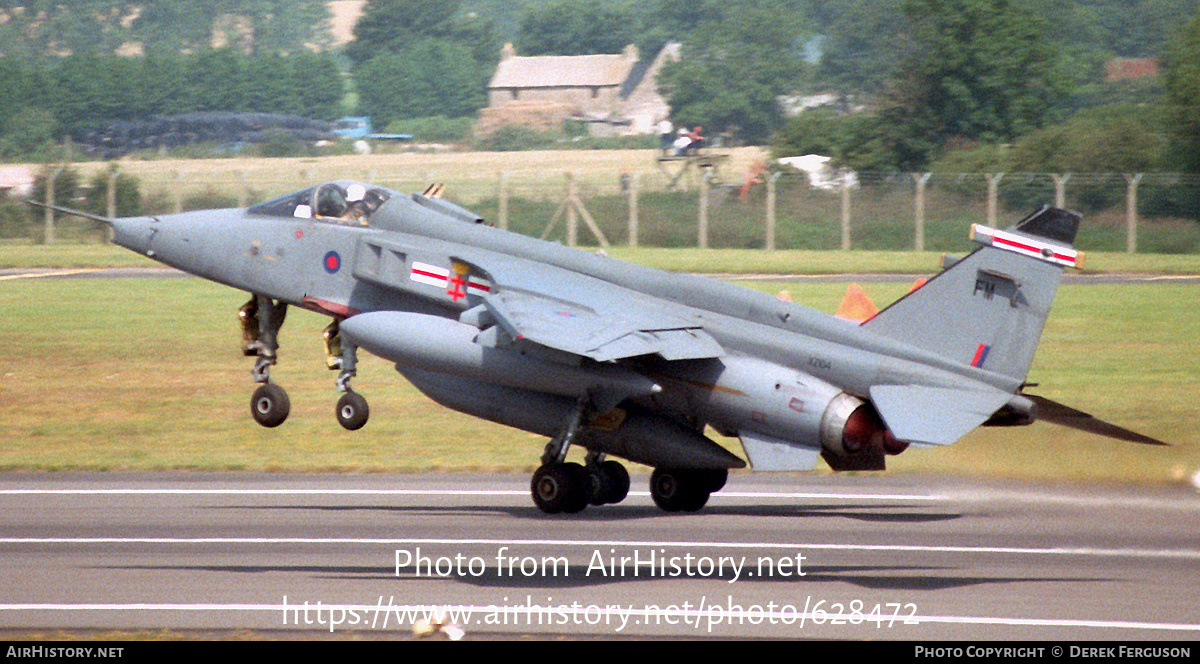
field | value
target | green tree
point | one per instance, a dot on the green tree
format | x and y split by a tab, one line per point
859	55
733	68
431	77
317	79
168	27
269	85
30	130
216	81
1119	139
975	69
1182	85
40	29
286	26
390	25
863	142
576	27
415	58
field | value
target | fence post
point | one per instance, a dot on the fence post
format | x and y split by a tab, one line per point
243	188
51	183
572	218
702	221
178	192
1131	217
1060	189
993	184
110	200
845	211
634	222
771	210
919	211
502	201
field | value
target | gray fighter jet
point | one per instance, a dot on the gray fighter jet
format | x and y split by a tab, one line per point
621	360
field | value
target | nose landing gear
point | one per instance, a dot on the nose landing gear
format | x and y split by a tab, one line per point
261	319
270	405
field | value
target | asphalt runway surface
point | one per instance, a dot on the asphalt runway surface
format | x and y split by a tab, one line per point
771	556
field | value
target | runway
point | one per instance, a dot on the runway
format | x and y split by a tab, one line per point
771	556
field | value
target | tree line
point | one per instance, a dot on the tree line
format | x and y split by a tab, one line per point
43	99
983	83
33	29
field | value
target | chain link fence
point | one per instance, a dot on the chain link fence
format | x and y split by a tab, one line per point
686	205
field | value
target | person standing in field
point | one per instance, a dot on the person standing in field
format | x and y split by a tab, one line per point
666	135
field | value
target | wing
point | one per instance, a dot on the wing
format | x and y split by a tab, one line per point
536	302
600	335
591	318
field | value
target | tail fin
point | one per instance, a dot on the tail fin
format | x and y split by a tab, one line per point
989	308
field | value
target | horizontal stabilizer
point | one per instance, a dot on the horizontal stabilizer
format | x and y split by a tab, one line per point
1057	413
934	415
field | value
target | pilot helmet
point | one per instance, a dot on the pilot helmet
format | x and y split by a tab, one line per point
355	192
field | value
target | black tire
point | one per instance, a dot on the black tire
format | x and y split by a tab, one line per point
560	487
614	482
352	411
678	490
714	480
269	406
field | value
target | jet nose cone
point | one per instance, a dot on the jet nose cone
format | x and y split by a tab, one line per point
134	233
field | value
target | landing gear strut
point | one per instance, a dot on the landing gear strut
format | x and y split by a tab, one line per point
261	319
352	410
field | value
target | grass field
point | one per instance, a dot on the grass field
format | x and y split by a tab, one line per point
108	374
705	261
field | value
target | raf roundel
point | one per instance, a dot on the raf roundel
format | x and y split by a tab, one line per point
333	262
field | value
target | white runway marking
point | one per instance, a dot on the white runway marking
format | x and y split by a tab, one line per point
41	275
692	615
443	492
1183	554
1189	503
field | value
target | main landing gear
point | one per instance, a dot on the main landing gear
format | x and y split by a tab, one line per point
261	319
563	486
685	490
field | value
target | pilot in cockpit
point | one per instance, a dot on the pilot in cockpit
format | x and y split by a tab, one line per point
356	205
331	201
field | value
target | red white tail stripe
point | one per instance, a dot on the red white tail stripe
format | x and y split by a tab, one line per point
1023	244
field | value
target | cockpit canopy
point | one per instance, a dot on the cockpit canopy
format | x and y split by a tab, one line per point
349	203
342	202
